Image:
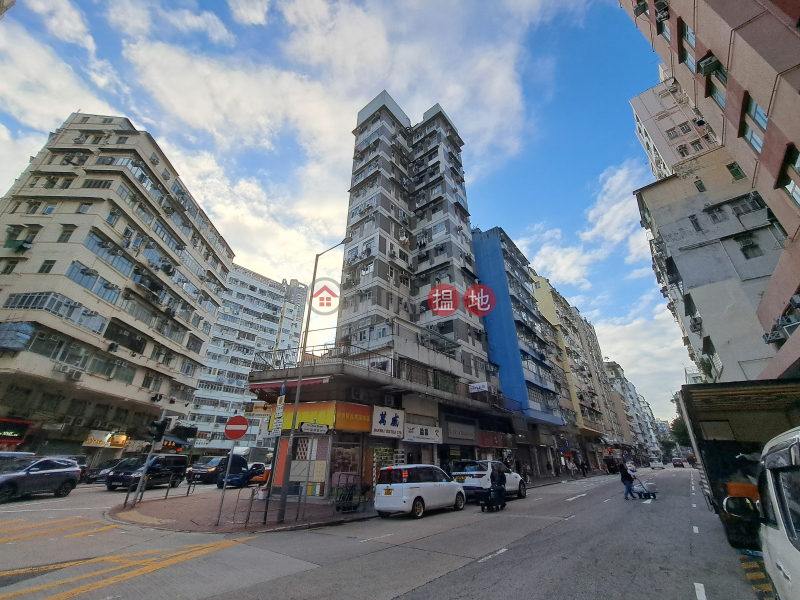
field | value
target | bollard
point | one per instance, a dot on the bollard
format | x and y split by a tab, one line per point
250	506
130	489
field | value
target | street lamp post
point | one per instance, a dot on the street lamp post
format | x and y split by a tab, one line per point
289	452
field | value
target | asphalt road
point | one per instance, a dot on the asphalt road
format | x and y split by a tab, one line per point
570	540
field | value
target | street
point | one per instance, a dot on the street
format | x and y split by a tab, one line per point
578	539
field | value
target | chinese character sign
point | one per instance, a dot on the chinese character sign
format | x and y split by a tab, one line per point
443	300
388	422
479	300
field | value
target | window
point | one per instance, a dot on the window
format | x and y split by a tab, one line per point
688	35
753	138
439	227
33	182
695	224
16	207
106	121
32	208
793	190
787	484
122	139
750	248
686	128
47	266
672	133
165	174
9	267
718	95
665	30
718	214
759	114
66	183
194	344
49	209
112	217
66	233
84	207
736	171
697	145
84	119
96	139
683	150
97	183
689	61
82	275
749	205
50	182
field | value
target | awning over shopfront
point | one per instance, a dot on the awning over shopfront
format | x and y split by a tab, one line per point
291	383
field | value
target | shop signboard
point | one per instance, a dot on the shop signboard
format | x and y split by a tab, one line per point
423	434
481	386
135	446
387	422
460	431
323	413
14	431
97	439
353	417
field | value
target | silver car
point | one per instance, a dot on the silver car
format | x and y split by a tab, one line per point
37	475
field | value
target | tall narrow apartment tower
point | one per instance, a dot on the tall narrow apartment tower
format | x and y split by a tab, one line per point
409	221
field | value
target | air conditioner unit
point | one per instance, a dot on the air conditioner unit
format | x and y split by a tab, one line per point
76	375
356	393
79	422
660	5
61	368
708	65
786	321
794	301
746	243
662	16
775	336
68	420
97	424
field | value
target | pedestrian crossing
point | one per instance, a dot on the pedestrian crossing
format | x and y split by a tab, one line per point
19	530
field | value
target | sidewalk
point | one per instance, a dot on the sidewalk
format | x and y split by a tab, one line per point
197	512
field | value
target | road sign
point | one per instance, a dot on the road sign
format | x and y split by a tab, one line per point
236	427
314	428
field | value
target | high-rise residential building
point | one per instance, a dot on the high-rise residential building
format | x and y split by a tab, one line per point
735	62
110	282
258	314
715	245
409	220
582	401
637	413
515	327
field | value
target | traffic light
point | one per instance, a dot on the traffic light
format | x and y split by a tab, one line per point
157	429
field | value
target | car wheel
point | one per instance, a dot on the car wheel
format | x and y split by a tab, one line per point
383	514
523	491
64	489
460	502
175	483
7	492
418	508
110	487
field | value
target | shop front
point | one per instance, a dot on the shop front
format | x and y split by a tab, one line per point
101	446
421	442
460	440
13	433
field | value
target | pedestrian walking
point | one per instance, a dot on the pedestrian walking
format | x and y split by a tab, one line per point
584	468
498	482
627	479
527	473
549	468
572	468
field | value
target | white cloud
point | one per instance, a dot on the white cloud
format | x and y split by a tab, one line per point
642	273
35	100
14	155
638	247
206	22
249	12
649	348
131	17
64	21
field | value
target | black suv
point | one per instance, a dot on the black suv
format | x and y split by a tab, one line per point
206	469
164	468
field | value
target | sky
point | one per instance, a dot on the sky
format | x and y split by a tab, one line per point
254	103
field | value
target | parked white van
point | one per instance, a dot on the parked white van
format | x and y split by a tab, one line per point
778	511
416	488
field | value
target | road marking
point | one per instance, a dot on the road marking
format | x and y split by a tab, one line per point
695	529
53	509
693	494
3	523
86	561
569	517
485	558
91	531
694	505
33	525
176	559
606	500
700	591
46	532
575	497
649	501
535	499
375	538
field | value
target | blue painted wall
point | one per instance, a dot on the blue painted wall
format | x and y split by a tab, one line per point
503	343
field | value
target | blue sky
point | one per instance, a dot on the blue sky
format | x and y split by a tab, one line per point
254	102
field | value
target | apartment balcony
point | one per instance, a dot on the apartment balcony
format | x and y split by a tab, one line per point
18	245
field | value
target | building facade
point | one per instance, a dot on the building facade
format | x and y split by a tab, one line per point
715	246
110	282
737	64
258	314
638	414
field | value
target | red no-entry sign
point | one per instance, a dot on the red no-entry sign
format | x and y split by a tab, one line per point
236	427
